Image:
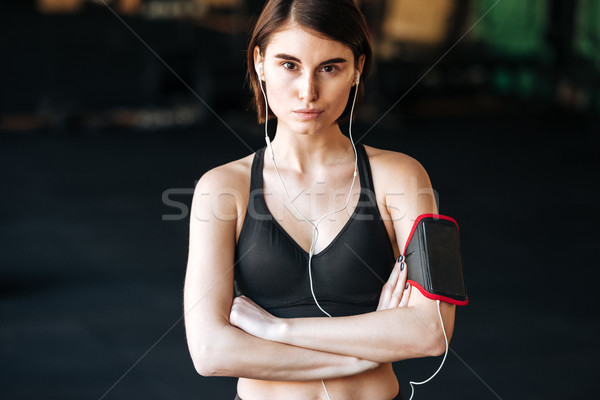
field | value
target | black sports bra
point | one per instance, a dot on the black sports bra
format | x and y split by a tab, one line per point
348	275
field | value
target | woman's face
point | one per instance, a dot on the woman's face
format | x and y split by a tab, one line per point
308	79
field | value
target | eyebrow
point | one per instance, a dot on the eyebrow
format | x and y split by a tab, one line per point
330	61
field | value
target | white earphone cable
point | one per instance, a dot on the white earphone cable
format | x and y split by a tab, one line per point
315	233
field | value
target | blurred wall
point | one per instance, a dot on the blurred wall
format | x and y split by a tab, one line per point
101	63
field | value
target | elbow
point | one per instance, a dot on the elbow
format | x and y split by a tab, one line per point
426	342
439	333
428	338
208	359
437	341
208	345
437	346
204	361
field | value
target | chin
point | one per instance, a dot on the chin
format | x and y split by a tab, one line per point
311	126
309	129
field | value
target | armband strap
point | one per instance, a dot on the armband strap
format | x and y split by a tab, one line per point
432	256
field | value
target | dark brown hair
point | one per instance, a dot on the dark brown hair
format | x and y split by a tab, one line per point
339	20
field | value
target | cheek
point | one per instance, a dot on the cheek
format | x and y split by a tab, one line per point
277	97
338	96
281	84
280	92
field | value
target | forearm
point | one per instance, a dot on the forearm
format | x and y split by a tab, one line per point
382	336
239	354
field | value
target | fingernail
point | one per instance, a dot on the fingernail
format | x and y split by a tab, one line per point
401	266
406	286
400	258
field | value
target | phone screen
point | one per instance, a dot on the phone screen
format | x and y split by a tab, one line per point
443	253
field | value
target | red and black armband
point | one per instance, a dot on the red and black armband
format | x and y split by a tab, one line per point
432	256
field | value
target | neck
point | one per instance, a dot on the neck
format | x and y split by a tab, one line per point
311	153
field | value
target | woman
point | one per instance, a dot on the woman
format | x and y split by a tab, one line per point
307	63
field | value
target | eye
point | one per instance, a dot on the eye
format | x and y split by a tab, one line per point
329	68
289	65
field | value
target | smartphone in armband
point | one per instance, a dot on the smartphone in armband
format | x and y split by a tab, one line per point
433	262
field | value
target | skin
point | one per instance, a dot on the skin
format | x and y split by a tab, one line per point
287	358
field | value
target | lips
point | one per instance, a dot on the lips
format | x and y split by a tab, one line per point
308	113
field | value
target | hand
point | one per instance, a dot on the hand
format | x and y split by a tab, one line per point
396	291
253	319
367	365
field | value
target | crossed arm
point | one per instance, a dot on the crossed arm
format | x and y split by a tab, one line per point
217	347
241	339
397	332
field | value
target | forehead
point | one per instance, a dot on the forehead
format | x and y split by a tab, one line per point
306	45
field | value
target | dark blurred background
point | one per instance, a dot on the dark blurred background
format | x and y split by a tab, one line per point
110	111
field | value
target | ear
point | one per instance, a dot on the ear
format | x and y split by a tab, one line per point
258	59
361	63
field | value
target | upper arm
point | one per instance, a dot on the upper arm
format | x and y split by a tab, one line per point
208	289
409	195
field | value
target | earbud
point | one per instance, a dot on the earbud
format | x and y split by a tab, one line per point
357	77
260	71
267	139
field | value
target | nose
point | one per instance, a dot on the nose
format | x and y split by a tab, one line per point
307	90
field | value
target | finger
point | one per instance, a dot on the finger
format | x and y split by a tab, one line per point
384	297
388	288
405	295
394	275
399	287
233	316
238	307
243	300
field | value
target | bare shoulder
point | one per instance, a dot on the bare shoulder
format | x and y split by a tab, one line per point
226	186
228	176
393	169
403	188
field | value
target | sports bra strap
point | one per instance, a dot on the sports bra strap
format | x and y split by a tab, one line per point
364	168
257	168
